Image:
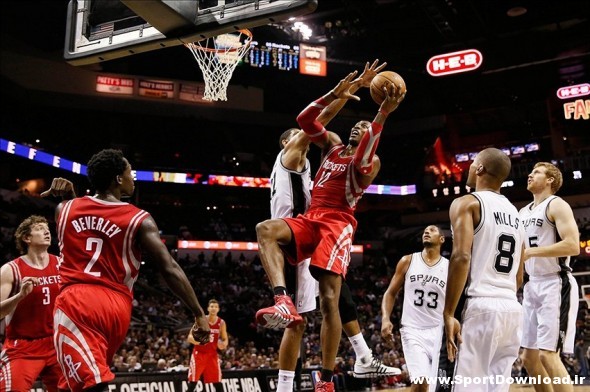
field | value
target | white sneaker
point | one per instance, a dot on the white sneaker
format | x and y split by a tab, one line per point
369	366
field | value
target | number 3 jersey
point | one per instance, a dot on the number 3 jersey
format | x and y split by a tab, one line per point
33	316
496	250
424	293
98	244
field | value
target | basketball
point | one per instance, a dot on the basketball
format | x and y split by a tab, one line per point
380	80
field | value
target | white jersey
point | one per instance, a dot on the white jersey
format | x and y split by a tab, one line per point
540	231
290	190
496	250
424	293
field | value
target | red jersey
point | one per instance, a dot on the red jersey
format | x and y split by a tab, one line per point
211	347
97	240
335	184
33	316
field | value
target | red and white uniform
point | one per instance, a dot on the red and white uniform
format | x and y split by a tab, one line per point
100	264
204	360
28	348
326	230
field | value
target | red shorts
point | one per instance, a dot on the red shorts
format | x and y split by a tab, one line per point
90	323
23	361
324	235
205	364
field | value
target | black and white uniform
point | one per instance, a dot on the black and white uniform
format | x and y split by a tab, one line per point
422	316
550	300
290	196
492	316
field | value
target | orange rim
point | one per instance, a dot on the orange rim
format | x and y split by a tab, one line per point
246	32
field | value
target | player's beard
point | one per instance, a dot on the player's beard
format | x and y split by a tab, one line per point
353	142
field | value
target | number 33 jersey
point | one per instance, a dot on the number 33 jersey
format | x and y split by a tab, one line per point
424	293
497	248
101	246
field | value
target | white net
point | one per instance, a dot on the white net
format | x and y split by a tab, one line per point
218	57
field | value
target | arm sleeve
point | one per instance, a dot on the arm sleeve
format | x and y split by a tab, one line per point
307	120
363	156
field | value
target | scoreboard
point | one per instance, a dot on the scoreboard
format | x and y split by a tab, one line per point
273	55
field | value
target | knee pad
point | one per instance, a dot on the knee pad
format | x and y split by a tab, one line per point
346	305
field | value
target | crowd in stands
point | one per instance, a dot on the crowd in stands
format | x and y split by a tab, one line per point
157	338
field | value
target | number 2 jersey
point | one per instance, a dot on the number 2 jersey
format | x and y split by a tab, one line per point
33	316
424	293
101	243
496	250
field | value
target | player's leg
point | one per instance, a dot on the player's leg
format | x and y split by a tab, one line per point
276	236
300	282
212	371
559	298
366	365
509	336
331	328
419	346
195	369
19	374
51	374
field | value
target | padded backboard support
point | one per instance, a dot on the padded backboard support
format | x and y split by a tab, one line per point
101	30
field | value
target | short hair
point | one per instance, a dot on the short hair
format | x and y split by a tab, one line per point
212	301
104	166
552	171
286	135
496	163
24	229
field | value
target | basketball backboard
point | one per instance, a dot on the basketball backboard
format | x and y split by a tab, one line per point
101	30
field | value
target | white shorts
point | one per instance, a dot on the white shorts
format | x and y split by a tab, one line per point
421	350
491	332
550	310
307	288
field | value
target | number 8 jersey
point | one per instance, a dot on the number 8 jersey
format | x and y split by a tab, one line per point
496	250
102	247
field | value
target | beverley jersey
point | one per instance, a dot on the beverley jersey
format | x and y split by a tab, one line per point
101	238
335	184
33	316
496	250
424	293
211	347
540	231
290	193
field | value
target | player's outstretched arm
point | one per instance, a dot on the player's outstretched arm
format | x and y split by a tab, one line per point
8	304
149	239
308	118
63	188
390	295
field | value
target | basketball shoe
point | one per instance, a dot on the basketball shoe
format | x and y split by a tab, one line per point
282	315
324	386
369	366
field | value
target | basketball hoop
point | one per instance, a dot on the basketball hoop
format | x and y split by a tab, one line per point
218	57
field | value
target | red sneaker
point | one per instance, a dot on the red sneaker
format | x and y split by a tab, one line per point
282	315
323	386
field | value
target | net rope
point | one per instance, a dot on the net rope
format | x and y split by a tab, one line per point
217	58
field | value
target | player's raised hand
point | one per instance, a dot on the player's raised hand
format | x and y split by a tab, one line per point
453	331
341	91
201	331
370	71
27	285
387	332
60	187
392	98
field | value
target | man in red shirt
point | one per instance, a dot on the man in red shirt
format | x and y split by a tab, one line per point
101	239
326	230
204	361
28	287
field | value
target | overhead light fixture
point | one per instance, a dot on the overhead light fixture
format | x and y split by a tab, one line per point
516	11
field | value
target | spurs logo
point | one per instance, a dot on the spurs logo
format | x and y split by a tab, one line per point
73	368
